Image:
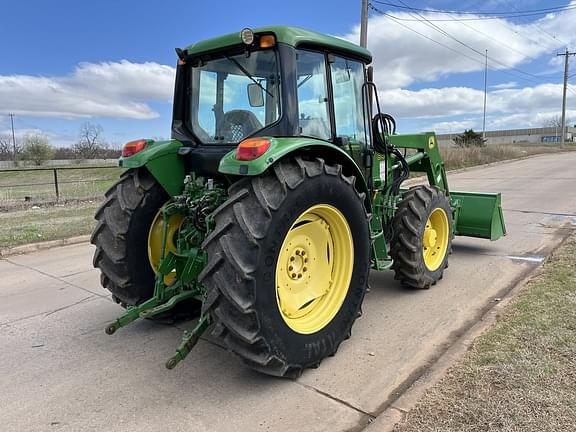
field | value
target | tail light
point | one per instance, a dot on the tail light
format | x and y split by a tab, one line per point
133	147
252	148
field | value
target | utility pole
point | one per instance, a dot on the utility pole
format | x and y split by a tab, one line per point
13	137
364	24
485	87
566	55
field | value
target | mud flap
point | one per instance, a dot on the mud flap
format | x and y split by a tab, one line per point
478	215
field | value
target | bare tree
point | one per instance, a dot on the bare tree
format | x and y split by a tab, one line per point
37	149
7	147
555	122
90	142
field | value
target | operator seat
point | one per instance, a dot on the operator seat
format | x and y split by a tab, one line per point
238	124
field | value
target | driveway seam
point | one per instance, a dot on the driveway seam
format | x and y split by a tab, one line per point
60	279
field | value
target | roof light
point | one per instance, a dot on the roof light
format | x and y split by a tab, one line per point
133	147
267	41
247	36
252	148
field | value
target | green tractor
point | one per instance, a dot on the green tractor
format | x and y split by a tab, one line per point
280	190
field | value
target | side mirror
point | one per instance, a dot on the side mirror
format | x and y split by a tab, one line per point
255	95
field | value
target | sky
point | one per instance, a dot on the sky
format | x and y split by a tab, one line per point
111	63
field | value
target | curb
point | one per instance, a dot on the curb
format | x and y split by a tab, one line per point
34	247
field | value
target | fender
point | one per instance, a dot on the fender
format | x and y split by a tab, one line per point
161	158
283	147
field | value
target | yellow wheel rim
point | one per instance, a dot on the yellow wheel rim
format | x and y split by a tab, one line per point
314	269
435	239
155	241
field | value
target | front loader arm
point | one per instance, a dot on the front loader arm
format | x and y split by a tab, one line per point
475	214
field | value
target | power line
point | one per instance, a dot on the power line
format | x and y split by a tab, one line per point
551	36
423	35
476	18
393	18
445	33
498	41
541	11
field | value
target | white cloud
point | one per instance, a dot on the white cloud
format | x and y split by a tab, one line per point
505	85
402	57
120	89
529	105
454	126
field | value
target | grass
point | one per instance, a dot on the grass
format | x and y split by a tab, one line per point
46	223
521	375
38	185
455	158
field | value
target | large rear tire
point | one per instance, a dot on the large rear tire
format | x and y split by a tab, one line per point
288	266
121	236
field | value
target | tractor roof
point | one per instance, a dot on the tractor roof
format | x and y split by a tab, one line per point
293	36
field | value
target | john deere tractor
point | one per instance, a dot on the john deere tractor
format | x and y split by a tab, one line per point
280	190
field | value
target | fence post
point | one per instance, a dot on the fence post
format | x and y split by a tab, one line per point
56	184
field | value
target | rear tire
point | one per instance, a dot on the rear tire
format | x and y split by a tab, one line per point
121	236
244	249
417	262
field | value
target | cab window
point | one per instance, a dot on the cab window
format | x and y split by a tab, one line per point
313	117
347	79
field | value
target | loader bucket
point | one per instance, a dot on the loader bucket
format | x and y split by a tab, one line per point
478	215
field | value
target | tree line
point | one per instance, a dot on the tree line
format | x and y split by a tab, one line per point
37	148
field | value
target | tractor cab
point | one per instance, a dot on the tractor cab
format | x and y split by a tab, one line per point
269	82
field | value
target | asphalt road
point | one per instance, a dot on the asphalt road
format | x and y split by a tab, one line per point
60	372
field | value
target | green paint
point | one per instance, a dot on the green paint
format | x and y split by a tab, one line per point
161	158
478	215
292	36
281	147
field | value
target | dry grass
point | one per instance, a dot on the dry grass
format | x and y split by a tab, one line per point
455	157
521	375
46	223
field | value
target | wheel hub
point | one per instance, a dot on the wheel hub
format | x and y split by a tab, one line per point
430	237
297	264
314	269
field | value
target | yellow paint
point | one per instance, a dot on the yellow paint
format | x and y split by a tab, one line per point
155	241
435	239
314	269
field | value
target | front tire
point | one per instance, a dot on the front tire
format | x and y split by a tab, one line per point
422	237
271	304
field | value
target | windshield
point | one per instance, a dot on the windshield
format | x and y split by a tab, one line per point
234	96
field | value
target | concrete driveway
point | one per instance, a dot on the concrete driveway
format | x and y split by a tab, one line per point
60	372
